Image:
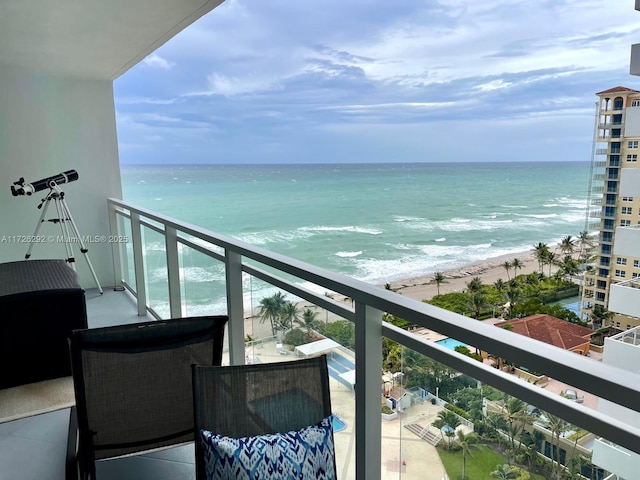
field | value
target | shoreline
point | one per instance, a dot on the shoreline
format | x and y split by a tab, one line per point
424	287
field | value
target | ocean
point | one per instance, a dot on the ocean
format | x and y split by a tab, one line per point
375	222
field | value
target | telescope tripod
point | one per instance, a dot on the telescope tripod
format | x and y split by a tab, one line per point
70	233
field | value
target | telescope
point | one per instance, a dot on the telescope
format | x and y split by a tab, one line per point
21	188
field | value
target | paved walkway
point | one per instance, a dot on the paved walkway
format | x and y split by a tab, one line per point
404	455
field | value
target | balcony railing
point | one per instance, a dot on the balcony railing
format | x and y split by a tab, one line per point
368	305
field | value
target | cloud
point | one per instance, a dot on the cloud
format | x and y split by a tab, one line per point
297	79
155	60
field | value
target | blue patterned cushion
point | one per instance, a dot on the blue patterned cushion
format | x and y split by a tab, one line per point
305	454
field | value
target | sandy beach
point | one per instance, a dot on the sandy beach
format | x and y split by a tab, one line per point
424	288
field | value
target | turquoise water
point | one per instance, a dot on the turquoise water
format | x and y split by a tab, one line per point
377	223
451	343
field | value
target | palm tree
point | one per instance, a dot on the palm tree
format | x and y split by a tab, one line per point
507	266
505	472
584	240
447	419
467	442
515	415
567	245
541	251
517	265
309	321
600	316
477	303
439	278
569	266
270	309
499	285
551	260
496	422
531	441
512	296
474	285
556	425
289	314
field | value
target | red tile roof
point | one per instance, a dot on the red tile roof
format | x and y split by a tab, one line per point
618	89
551	330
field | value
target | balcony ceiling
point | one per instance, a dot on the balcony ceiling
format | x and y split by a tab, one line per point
90	38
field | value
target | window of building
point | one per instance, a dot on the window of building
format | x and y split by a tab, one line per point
632	144
626	210
635	103
602	284
621	273
621	261
636	264
635	275
618	325
632	158
627	199
625	223
618	103
628	327
600	296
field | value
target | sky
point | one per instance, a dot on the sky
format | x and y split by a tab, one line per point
367	81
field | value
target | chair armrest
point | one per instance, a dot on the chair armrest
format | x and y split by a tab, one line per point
71	465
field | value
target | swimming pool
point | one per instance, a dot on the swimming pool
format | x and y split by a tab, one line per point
451	343
338	423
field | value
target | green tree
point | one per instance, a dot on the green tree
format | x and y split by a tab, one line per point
309	321
556	425
551	260
585	242
270	309
466	442
517	265
496	422
569	266
567	245
341	331
507	266
474	285
289	315
512	296
449	421
515	415
600	316
541	252
477	303
439	278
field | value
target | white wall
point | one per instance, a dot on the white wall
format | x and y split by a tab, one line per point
632	122
629	182
48	125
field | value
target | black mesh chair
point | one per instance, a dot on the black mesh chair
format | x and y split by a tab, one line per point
249	400
133	387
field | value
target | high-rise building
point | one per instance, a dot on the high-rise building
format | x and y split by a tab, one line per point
612	281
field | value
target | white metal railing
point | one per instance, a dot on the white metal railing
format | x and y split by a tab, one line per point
370	302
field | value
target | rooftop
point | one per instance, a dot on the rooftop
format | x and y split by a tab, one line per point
551	330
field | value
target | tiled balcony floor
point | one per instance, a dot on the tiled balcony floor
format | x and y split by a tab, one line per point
34	448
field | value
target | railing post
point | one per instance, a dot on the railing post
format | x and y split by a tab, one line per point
138	264
116	246
368	383
173	271
235	307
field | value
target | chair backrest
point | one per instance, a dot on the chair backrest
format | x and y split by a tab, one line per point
133	383
248	400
